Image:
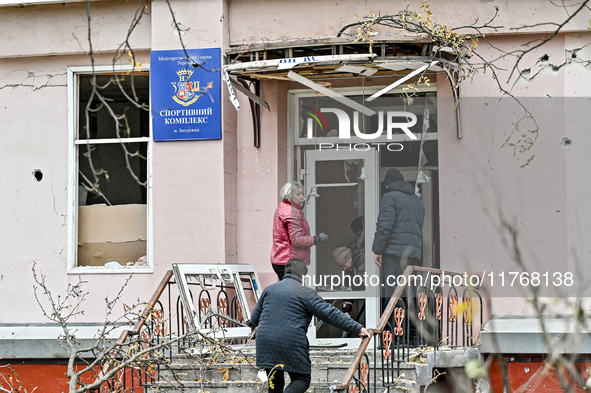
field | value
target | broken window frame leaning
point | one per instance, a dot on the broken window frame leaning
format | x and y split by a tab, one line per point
211	277
73	164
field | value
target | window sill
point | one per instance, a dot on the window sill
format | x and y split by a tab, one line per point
111	270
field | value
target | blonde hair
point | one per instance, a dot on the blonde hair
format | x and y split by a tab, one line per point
289	189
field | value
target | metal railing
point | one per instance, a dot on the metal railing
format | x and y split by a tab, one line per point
162	320
415	317
150	327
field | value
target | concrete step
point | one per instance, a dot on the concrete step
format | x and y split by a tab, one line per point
252	387
219	387
316	356
327	366
212	373
321	372
328	369
250	354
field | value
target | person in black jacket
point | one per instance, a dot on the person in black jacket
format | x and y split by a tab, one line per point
399	230
282	315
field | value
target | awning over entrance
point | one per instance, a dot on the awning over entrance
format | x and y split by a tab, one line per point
307	62
336	66
335	58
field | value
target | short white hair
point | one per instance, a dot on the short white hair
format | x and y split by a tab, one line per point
289	189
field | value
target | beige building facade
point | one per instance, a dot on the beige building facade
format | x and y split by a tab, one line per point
213	201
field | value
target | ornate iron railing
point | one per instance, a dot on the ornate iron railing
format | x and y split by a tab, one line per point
415	317
163	320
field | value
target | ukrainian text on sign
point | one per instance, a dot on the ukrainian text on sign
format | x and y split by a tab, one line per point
185	94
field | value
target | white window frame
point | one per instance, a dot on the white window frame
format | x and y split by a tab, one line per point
72	219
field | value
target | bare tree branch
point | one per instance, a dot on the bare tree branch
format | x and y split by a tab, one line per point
519	54
104	359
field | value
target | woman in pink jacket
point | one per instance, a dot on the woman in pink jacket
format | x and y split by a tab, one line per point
291	232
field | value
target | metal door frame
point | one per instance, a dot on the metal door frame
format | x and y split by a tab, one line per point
371	293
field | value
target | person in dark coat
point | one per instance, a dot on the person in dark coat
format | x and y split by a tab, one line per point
399	231
283	315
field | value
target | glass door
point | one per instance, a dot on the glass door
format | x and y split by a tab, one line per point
428	195
341	189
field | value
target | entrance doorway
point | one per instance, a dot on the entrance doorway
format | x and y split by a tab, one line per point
336	184
343	183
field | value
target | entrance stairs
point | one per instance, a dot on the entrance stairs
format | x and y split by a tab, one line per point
238	374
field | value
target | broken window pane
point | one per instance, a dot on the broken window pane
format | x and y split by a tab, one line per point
112	145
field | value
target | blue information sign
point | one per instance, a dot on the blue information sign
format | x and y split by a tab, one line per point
186	94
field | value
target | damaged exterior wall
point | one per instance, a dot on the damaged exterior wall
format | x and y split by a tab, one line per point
213	201
577	117
31	31
326	18
483	184
192	213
